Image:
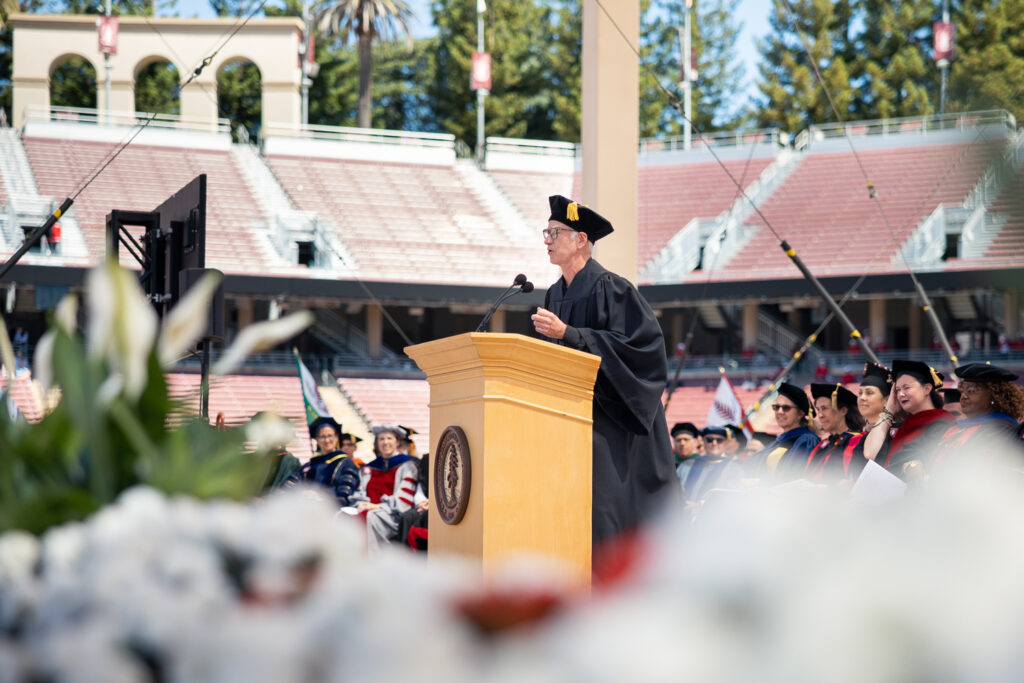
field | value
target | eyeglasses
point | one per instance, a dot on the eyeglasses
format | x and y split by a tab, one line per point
552	233
324	437
778	406
713	439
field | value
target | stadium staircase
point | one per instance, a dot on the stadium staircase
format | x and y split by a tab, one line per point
775	336
500	206
392	401
345	412
349	342
998	230
23	205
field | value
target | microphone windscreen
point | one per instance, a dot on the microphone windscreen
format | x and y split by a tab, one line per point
520	279
527	287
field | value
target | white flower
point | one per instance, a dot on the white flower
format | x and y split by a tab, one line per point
42	362
6	350
66	314
269	431
19	552
122	325
186	322
260	337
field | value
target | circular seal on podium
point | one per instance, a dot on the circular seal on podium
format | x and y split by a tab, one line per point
451	475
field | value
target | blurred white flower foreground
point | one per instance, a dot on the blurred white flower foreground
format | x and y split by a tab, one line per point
774	586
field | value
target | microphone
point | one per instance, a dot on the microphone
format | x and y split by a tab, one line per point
525	287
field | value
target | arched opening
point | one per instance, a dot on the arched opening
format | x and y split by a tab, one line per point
73	83
156	88
239	97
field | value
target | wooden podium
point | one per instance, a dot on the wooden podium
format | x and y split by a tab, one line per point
525	408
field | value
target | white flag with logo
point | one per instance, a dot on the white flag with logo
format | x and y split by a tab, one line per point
315	406
726	408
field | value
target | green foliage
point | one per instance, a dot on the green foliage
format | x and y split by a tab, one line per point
793	96
118	7
156	89
895	58
988	70
87	451
73	84
238	97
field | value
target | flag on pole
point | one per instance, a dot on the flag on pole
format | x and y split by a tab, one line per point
726	408
315	406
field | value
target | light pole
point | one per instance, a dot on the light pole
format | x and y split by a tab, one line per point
481	92
108	67
688	75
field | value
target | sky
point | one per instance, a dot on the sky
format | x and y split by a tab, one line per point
752	13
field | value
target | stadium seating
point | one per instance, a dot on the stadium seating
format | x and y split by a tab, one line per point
825	212
25	395
392	401
529	191
406	222
239	397
1009	242
141	178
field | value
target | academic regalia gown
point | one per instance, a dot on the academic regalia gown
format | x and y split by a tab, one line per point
838	456
607	317
914	439
979	437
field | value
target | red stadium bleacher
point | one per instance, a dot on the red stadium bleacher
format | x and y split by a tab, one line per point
691	404
240	397
1008	243
392	401
141	178
25	395
825	212
408	222
529	191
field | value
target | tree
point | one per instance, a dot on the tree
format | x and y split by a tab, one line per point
793	96
894	57
988	69
156	89
73	84
566	80
239	99
367	20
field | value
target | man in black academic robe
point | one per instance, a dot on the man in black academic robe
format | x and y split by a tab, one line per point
594	310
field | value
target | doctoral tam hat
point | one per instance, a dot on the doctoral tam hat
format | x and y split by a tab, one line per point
796	395
579	217
320	422
721	431
837	393
350	437
922	372
685	428
877	376
982	372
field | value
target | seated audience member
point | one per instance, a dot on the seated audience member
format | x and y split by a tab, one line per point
329	467
736	442
282	463
712	470
787	454
821	372
387	487
350	444
684	447
874	390
412	528
406	444
951	402
757	443
836	457
992	407
914	407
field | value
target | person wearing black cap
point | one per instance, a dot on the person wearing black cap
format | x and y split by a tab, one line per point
329	467
387	488
684	447
714	469
736	442
836	456
911	444
992	406
349	444
951	402
874	390
594	310
787	455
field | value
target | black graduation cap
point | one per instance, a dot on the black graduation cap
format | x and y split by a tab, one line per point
879	376
579	217
316	424
797	396
950	395
721	431
982	372
922	372
686	428
409	431
736	432
837	393
350	437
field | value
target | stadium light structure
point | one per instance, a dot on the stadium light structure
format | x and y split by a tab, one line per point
480	78
687	73
942	44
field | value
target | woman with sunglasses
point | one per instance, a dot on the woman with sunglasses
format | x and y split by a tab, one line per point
992	405
836	457
914	408
788	453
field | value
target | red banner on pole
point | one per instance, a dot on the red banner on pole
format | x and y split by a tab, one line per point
108	35
480	76
942	42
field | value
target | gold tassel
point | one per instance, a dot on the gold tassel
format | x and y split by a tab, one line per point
572	211
935	377
835	398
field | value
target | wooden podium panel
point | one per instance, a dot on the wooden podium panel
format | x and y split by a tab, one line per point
525	407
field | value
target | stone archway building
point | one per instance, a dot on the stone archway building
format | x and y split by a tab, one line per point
43	41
